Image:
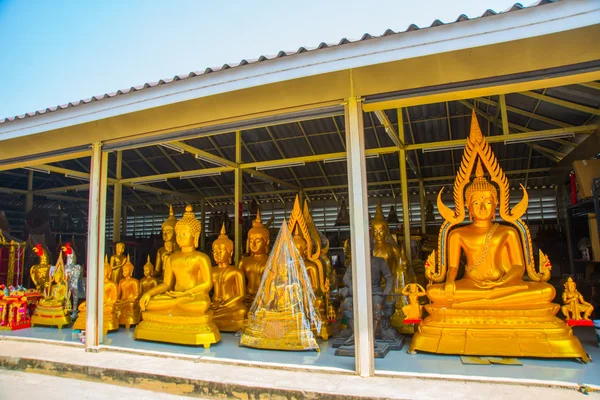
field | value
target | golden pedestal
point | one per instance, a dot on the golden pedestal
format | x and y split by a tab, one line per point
129	314
526	332
278	331
178	328
50	316
110	323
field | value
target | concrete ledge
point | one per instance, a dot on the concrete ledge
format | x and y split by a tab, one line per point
205	379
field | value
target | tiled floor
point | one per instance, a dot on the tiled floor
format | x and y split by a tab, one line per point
395	361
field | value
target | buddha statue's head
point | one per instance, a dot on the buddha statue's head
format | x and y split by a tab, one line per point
379	225
187	229
300	242
168	227
148	267
127	268
258	237
107	268
570	285
223	248
120	248
481	197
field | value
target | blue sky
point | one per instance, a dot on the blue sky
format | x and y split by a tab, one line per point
58	51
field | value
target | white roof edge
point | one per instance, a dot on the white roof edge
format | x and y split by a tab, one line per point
529	22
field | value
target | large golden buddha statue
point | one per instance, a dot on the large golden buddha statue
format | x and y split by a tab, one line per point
253	265
229	287
129	296
170	244
385	247
54	309
110	315
178	310
492	310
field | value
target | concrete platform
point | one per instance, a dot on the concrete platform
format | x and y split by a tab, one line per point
204	377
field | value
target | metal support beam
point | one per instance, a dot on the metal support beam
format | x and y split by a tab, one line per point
559	155
422	204
95	245
563	103
404	188
262	176
505	130
203	221
238	199
359	237
29	195
205	155
118	198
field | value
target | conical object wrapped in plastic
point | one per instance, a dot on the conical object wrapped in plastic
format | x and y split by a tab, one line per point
282	316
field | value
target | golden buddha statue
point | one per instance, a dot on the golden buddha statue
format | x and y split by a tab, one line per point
148	281
129	295
40	272
253	265
117	261
282	316
229	287
54	308
491	310
110	315
413	310
170	244
178	309
385	247
574	303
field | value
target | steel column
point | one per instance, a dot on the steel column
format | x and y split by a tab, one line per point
238	198
359	236
404	187
203	220
422	203
117	199
29	195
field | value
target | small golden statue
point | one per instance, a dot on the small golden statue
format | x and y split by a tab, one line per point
385	247
575	305
110	320
117	261
40	272
229	287
491	310
178	309
413	310
283	316
129	295
253	265
170	244
148	281
54	308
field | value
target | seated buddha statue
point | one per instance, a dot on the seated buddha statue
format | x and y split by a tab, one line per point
128	295
491	310
178	309
169	246
253	264
148	281
54	308
110	320
117	261
385	247
40	272
229	287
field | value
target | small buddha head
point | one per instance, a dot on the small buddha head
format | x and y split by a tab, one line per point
223	248
481	197
168	227
107	269
379	225
187	229
570	285
300	242
120	248
127	268
258	237
148	268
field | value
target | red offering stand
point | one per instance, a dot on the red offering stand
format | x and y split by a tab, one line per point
16	310
579	322
412	321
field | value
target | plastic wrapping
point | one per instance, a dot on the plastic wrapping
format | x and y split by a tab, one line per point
282	316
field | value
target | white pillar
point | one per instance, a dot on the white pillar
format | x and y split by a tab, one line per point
95	245
359	237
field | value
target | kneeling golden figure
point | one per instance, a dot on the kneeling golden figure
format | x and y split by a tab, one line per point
110	321
229	287
178	309
491	310
54	309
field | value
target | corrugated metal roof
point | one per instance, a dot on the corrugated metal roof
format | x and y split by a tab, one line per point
262	58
